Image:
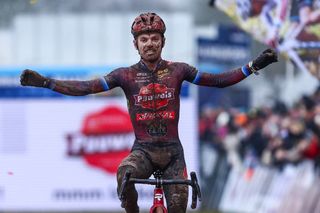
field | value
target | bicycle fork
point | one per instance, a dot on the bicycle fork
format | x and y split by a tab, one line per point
158	202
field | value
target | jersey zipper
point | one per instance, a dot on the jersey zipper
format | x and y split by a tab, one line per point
157	120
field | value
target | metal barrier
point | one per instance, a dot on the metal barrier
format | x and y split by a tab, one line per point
262	189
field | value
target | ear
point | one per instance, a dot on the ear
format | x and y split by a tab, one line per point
163	41
135	44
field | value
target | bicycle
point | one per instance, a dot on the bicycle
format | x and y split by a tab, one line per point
158	202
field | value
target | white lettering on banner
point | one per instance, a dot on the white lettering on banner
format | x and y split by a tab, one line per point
78	194
144	192
223	52
79	144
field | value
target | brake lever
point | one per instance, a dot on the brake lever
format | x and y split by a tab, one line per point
124	183
196	192
198	188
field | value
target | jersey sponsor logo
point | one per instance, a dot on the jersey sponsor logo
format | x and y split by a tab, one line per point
158	196
157	129
154	96
162	73
152	115
105	139
143	77
142	74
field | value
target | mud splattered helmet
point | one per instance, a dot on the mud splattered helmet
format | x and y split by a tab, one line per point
147	23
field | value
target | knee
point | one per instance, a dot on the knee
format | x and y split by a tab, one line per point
178	201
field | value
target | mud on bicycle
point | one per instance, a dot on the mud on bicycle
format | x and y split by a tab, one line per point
158	195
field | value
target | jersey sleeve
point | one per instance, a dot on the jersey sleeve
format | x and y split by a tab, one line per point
220	80
190	72
113	79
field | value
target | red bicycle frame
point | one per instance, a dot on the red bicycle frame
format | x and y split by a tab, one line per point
158	196
158	201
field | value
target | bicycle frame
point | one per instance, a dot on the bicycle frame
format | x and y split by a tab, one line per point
158	201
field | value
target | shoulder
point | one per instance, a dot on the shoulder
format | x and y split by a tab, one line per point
120	69
117	77
179	65
118	72
182	66
134	67
175	63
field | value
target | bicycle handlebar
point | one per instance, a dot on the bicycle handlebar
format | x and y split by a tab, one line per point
196	192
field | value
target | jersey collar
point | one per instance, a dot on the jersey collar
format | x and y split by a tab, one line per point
143	66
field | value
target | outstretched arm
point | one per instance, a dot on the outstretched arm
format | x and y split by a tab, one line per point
220	80
234	76
73	88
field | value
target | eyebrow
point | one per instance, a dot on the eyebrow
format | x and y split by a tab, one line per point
147	37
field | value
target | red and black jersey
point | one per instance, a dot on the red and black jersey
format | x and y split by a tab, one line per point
153	96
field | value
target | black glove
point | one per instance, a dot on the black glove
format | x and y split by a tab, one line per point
264	59
32	78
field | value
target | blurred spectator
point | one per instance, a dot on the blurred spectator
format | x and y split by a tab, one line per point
290	149
231	144
261	149
276	135
206	123
255	141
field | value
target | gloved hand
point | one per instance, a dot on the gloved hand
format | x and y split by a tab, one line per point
264	59
32	78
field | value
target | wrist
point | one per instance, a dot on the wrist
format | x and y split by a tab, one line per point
253	69
48	83
249	69
246	71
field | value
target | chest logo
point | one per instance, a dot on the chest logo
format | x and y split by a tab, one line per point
154	96
162	73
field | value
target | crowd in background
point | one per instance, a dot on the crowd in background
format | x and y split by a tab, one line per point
274	135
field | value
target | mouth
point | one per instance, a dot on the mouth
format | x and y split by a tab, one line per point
150	52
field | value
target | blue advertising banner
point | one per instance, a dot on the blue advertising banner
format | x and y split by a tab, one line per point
229	49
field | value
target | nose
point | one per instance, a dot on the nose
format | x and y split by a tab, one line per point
149	42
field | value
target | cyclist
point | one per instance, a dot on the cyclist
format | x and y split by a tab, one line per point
152	88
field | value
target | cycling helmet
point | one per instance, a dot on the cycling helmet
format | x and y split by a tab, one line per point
147	22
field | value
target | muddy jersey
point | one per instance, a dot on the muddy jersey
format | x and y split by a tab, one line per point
153	96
